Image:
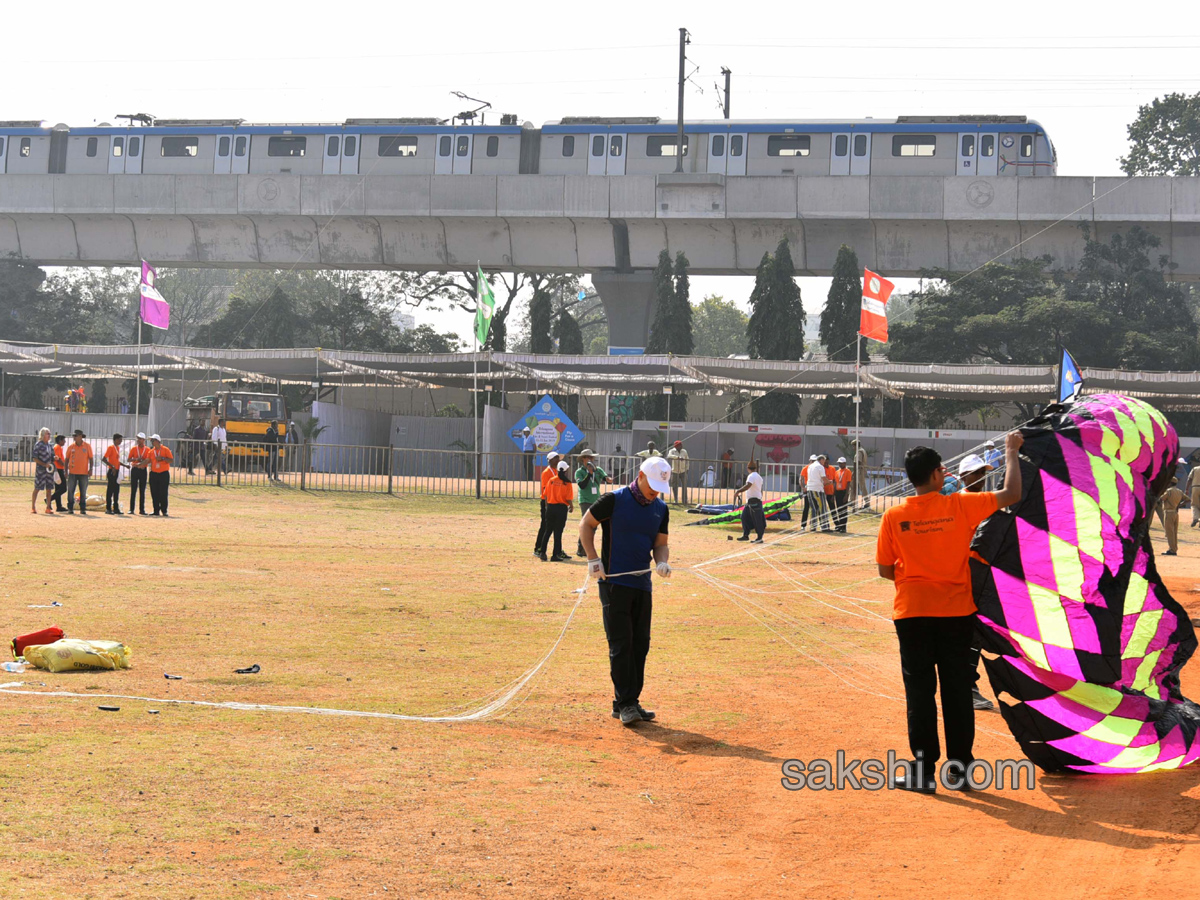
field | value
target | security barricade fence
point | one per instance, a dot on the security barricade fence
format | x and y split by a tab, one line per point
317	466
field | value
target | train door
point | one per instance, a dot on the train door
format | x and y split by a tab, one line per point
332	162
968	152
443	163
718	145
839	157
223	160
986	157
133	154
616	154
240	164
860	154
735	162
116	154
598	154
3	153
463	144
350	144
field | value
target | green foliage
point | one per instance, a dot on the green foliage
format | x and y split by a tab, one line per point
776	329
254	324
310	428
567	334
1164	139
541	313
98	395
840	318
719	327
671	332
834	410
423	339
451	411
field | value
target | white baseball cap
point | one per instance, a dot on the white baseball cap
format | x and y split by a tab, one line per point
155	437
841	459
562	465
990	444
972	463
813	458
526	428
142	435
658	472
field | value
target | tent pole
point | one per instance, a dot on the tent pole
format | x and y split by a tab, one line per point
137	394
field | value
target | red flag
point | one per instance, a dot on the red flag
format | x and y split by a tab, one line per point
876	290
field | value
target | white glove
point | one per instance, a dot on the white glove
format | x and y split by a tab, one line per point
596	569
664	569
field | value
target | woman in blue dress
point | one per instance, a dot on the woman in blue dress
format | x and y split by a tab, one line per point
43	479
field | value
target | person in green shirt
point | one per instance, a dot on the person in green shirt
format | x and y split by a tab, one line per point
589	477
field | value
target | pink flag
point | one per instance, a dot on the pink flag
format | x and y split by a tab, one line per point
155	309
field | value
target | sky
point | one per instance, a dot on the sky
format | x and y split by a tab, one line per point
1082	75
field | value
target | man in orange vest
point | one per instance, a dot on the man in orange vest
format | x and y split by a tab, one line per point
841	493
160	474
112	458
139	463
78	460
60	467
829	495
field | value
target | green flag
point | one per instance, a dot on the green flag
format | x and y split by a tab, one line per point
485	303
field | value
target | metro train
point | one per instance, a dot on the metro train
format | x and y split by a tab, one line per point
908	145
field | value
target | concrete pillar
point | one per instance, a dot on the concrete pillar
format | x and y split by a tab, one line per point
628	299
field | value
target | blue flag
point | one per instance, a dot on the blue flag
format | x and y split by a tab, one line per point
1070	378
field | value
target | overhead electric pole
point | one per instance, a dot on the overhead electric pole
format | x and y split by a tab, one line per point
683	42
727	73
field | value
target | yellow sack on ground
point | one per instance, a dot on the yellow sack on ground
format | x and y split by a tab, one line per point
73	654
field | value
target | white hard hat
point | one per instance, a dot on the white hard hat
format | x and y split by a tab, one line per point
972	463
142	435
813	458
658	472
841	459
155	437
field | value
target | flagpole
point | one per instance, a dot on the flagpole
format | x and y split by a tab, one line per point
475	377
137	396
858	477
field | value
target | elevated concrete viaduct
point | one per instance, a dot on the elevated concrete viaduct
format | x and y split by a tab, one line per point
609	227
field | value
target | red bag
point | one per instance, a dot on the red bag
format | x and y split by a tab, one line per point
45	636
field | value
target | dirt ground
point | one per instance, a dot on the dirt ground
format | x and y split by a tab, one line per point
420	605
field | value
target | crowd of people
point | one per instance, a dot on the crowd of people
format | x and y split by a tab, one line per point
63	469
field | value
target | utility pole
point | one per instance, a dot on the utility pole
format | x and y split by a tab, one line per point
684	40
727	73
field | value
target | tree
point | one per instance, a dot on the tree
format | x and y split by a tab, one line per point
197	297
840	317
541	313
346	320
567	334
275	322
776	329
719	327
663	286
671	332
423	339
1164	139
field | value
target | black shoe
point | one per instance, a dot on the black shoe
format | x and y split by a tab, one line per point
165	516
70	512
153	514
646	714
117	512
980	701
108	512
83	512
581	553
630	716
927	786
744	537
541	556
1169	553
560	557
757	541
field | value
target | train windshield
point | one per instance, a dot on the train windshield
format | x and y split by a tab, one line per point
253	408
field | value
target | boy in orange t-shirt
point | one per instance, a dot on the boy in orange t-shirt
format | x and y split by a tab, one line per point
112	459
923	547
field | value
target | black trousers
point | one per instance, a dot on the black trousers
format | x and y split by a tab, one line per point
556	521
529	455
841	500
272	461
932	649
543	535
752	517
112	496
627	612
160	487
60	489
137	490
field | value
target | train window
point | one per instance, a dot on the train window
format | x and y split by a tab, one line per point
463	146
444	145
287	146
664	145
968	145
914	144
1	146
735	145
92	144
1026	145
987	145
395	145
598	145
334	146
789	145
841	145
568	145
239	147
223	146
179	146
135	146
118	146
860	145
718	145
350	146
493	146
616	145
26	144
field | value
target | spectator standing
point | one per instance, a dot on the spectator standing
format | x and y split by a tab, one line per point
814	484
708	478
78	460
195	454
589	477
829	498
43	476
60	465
752	512
680	463
842	477
650	451
220	441
543	535
1169	506
993	458
727	469
291	439
560	501
139	464
112	459
529	451
861	462
271	440
123	406
160	474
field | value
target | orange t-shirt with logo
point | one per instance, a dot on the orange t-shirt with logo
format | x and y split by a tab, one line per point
547	474
160	458
112	456
927	539
559	492
831	474
841	479
78	459
59	460
139	454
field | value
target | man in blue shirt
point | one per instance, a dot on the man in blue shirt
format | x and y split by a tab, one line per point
634	520
529	448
